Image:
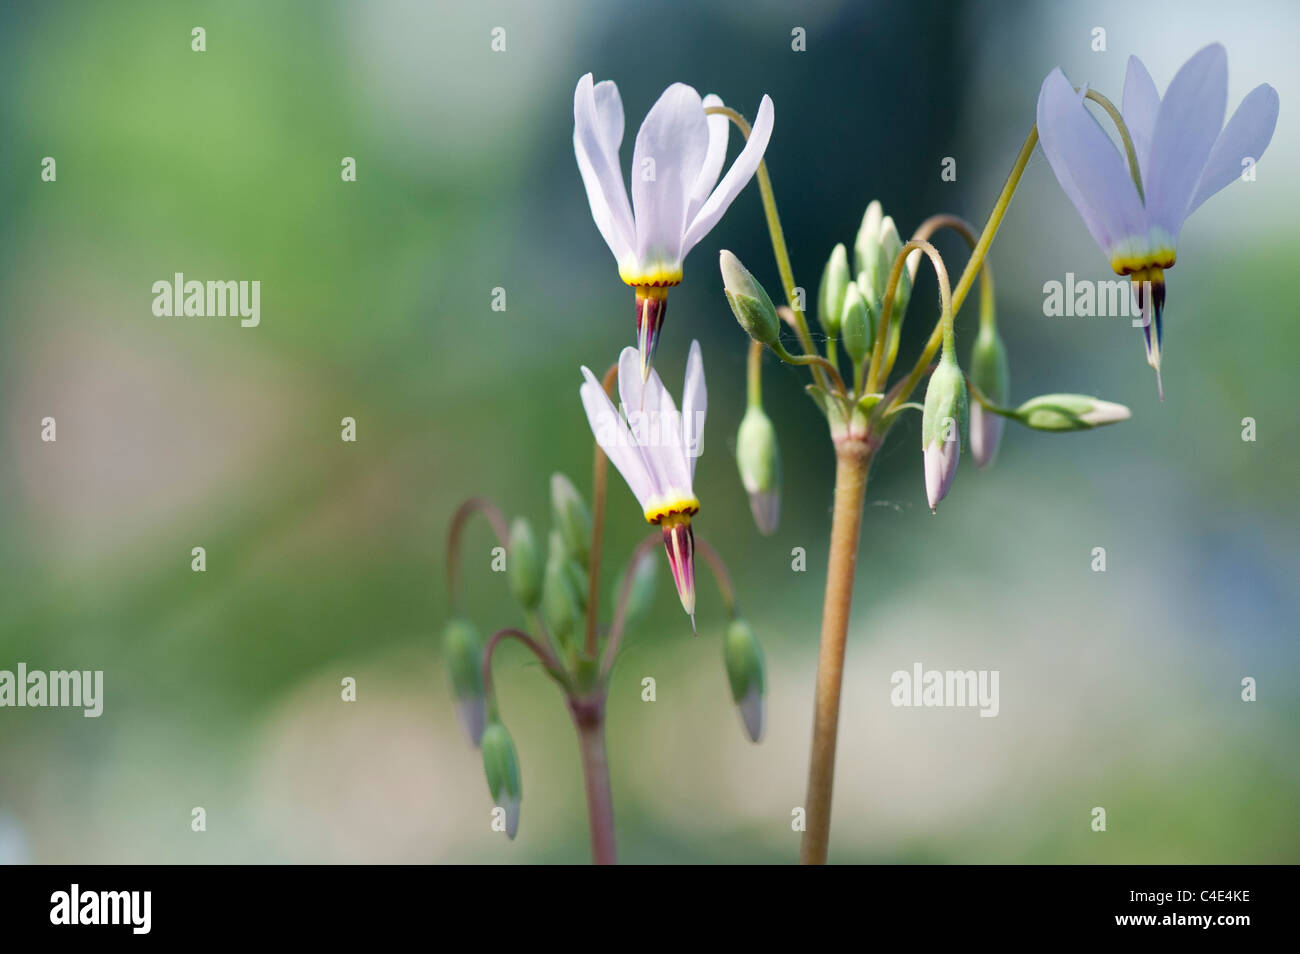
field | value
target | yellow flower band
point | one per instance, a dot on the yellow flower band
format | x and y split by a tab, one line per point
1154	260
651	280
673	512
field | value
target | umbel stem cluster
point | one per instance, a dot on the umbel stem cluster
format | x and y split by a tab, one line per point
861	308
558	593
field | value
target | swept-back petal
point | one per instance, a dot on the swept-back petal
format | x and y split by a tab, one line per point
695	403
1090	169
597	136
656	427
612	434
737	177
719	131
1141	105
671	146
1187	125
1247	135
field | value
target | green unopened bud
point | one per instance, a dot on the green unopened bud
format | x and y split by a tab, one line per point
560	600
501	765
890	245
570	514
942	422
749	301
989	372
578	580
866	247
856	324
744	658
524	565
834	286
759	461
464	654
641	595
1069	412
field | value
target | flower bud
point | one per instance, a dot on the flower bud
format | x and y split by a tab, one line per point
941	426
744	658
749	301
560	601
890	245
641	594
1069	412
866	247
501	765
834	286
989	373
524	565
759	461
855	324
460	645
571	516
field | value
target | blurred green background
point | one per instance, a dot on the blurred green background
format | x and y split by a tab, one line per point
325	559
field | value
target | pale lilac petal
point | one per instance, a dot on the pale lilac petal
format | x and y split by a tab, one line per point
1247	135
609	115
719	131
751	712
641	399
611	433
1090	169
668	455
1141	105
985	434
941	459
1189	121
737	177
597	136
695	403
670	150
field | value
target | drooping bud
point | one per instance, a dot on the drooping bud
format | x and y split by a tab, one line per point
941	425
834	286
1069	412
460	644
759	461
749	301
641	593
501	765
744	658
524	565
651	307
570	515
561	603
856	324
679	541
990	373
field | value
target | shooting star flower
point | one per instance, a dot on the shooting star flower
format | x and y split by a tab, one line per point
655	448
677	197
1185	154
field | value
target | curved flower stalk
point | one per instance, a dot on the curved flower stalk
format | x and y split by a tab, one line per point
557	588
677	197
655	448
1185	154
864	314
